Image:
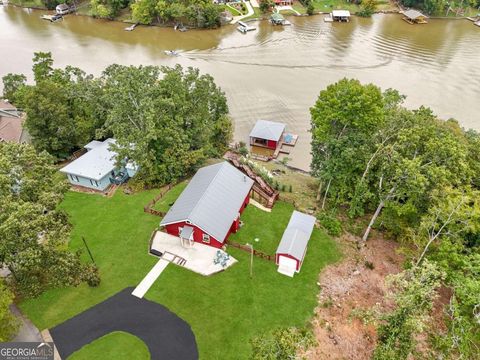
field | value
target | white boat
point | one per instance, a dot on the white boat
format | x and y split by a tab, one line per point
172	52
244	27
131	27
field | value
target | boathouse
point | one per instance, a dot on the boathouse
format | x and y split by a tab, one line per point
293	246
414	17
277	19
209	208
341	15
97	169
62	9
267	134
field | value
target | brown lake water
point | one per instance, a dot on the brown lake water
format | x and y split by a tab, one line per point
273	73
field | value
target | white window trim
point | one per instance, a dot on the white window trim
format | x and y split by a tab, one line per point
206	238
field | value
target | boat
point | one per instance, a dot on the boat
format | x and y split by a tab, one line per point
52	18
131	27
244	27
477	23
172	52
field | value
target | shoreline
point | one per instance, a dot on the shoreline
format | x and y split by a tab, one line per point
262	17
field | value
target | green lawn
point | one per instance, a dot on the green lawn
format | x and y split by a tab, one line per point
117	345
268	236
224	310
165	202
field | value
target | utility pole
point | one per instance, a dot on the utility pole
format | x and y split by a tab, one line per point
88	249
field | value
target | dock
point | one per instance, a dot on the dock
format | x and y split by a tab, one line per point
244	27
52	18
287	140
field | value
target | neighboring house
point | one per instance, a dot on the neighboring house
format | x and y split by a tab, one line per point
267	134
209	208
11	124
97	169
293	246
283	2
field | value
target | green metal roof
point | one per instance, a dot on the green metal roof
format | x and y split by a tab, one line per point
277	17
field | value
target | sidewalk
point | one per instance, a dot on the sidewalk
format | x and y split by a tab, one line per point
250	13
27	331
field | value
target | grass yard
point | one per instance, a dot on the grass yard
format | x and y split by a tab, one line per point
225	310
167	201
117	345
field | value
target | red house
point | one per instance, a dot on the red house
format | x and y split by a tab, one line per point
209	208
267	134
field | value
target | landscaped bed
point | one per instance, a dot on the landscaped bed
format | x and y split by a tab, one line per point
225	310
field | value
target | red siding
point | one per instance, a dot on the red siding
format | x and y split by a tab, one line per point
172	229
271	144
290	257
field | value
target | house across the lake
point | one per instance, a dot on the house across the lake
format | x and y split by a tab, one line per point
209	208
293	246
97	169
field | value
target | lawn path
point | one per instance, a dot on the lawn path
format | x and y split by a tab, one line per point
148	280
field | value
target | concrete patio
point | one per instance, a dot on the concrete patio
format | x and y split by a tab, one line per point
198	258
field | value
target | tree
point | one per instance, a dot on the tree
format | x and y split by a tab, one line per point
8	322
344	117
266	5
367	8
166	120
33	232
42	66
413	292
143	11
11	84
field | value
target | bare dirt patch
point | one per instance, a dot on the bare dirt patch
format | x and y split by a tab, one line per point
356	283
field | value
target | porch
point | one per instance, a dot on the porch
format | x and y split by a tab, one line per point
202	259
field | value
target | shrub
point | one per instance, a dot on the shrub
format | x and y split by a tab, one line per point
330	223
290	188
369	265
281	344
92	276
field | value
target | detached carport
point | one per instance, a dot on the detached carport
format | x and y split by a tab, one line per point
293	246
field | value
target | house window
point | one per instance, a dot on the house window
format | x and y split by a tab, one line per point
94	183
74	178
206	238
180	228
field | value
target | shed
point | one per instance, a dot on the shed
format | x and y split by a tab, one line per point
267	134
414	17
293	246
341	15
211	205
277	19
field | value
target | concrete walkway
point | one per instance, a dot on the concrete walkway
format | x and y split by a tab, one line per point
287	8
148	280
249	13
27	332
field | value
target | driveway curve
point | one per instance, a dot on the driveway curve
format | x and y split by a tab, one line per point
166	335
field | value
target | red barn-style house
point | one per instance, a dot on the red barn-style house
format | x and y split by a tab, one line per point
267	134
209	208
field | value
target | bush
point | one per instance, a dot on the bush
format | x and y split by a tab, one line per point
330	223
91	276
290	188
369	265
282	344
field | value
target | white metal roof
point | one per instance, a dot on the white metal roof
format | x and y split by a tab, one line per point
296	236
268	130
93	144
95	164
413	14
341	13
211	200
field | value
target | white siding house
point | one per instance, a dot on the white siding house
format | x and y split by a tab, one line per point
97	168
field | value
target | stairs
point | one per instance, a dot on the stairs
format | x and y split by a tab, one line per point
175	259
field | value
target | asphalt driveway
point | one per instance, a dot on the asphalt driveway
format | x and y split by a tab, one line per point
166	335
